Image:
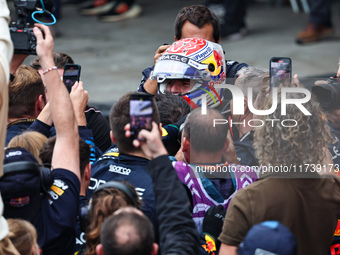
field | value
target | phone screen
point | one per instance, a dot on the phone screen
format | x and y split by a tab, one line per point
280	71
71	75
140	113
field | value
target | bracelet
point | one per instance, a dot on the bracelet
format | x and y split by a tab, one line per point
50	69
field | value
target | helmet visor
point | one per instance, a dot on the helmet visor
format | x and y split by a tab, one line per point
179	86
169	69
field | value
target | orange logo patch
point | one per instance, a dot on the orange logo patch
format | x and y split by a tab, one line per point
337	230
57	190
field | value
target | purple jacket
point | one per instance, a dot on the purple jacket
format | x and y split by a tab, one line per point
241	176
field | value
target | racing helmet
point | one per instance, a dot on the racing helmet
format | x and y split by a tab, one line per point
198	60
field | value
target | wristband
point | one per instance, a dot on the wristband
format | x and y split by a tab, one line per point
50	69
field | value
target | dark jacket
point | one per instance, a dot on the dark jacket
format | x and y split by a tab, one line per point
16	128
245	151
100	127
113	166
177	230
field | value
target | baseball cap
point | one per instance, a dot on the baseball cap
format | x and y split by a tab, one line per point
268	238
20	189
18	154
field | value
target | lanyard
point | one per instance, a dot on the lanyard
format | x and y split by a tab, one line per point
20	121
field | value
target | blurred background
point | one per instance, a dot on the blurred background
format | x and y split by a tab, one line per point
113	55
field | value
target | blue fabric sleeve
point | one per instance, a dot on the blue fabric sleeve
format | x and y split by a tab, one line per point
146	74
57	220
40	127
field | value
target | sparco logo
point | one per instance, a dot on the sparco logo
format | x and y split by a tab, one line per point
119	170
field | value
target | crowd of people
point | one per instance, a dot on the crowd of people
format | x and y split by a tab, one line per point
217	173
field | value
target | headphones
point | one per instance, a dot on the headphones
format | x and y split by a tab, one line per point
127	190
46	176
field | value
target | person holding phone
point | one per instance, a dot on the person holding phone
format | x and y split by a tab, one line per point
56	217
258	80
95	120
130	164
294	198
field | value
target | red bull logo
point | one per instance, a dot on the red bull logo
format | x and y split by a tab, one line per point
187	46
218	74
20	201
218	58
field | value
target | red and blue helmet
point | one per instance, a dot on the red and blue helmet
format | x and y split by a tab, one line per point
198	60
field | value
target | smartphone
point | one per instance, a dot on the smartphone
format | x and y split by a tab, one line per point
140	113
280	71
71	75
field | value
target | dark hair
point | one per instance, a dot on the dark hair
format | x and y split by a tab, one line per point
23	92
104	203
60	60
141	234
120	116
202	133
171	107
199	15
84	153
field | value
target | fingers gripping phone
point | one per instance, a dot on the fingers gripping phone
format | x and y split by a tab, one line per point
140	113
71	75
280	71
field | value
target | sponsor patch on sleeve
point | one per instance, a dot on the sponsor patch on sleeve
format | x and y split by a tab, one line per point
57	190
337	230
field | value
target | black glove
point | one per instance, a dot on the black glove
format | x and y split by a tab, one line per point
172	141
213	221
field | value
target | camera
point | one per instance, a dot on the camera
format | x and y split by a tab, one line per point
24	40
22	36
328	94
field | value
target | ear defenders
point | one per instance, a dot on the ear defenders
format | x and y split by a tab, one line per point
127	190
46	176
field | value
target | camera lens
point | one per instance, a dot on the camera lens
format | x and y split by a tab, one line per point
328	95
